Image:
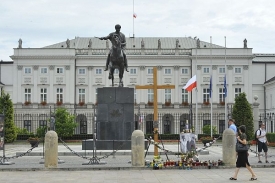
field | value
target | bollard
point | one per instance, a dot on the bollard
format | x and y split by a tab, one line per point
51	150
229	147
137	141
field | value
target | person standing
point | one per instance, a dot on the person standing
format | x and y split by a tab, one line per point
262	142
232	126
242	159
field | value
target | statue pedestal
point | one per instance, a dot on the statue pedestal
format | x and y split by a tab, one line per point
115	118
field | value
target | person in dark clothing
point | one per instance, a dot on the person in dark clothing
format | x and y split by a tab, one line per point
242	159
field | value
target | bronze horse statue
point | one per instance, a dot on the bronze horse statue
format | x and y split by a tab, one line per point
116	60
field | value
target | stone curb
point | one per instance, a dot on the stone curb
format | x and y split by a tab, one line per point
102	167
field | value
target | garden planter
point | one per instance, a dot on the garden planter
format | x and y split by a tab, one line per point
34	143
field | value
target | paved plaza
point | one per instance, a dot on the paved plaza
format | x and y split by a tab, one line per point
30	168
136	176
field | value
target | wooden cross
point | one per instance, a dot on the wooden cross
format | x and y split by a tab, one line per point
155	88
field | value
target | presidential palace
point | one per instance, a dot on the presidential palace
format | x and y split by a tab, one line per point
68	74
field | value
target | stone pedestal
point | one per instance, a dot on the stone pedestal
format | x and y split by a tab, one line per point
137	148
115	118
51	150
229	147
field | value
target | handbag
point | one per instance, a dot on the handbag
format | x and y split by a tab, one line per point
241	147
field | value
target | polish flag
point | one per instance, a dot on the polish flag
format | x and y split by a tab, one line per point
192	83
135	15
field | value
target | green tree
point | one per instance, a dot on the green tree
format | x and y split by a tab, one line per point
207	129
64	123
242	114
6	108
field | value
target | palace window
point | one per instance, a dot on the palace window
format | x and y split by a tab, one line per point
98	71
59	95
167	71
81	95
221	70
205	93
27	70
42	123
59	70
167	95
206	70
237	92
238	70
44	70
184	71
133	71
167	125
184	95
150	95
28	94
221	94
43	95
150	71
82	71
27	125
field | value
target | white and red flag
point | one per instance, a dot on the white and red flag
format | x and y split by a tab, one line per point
192	83
135	15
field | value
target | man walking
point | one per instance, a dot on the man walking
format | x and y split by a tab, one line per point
262	142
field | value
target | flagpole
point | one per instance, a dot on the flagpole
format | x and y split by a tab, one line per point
196	126
211	97
133	18
225	87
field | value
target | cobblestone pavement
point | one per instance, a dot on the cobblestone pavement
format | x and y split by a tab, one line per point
136	176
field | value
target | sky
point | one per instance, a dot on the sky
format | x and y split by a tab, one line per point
41	23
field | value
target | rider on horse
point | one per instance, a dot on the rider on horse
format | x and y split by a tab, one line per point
121	36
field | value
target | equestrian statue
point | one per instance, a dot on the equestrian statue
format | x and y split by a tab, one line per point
116	57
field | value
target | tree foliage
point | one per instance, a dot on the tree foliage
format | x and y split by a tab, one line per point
64	123
242	113
6	108
207	129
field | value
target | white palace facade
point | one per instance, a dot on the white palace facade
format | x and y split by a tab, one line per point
68	73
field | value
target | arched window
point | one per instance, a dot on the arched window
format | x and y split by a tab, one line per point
81	119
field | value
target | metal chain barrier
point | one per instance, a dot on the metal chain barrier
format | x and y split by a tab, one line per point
18	156
173	153
258	154
88	158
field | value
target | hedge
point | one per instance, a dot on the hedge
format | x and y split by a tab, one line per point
270	137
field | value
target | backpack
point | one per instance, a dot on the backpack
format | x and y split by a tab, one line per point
255	138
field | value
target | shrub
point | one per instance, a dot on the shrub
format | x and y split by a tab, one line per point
207	129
